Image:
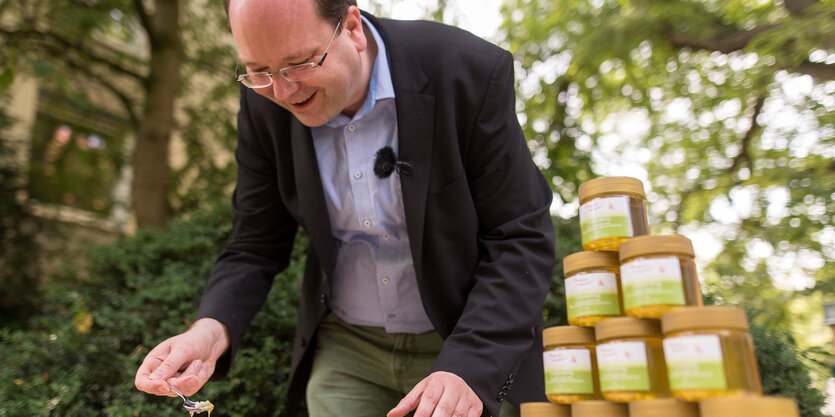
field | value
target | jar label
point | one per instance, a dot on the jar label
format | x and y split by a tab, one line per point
568	371
695	362
622	366
652	281
592	294
605	217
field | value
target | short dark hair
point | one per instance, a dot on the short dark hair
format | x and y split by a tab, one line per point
332	10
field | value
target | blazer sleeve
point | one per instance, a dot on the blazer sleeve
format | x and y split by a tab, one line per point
261	242
503	309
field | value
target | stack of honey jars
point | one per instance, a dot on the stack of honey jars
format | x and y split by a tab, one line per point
639	341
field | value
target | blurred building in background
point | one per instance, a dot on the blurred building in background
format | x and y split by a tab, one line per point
74	159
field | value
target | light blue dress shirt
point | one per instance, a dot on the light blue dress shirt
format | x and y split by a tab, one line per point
374	282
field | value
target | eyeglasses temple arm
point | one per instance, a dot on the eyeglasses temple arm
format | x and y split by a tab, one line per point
321	61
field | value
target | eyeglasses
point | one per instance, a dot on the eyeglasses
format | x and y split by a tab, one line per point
292	73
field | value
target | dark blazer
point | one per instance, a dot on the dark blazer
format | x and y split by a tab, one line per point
477	214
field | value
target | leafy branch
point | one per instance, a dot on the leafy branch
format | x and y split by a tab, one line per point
57	43
728	39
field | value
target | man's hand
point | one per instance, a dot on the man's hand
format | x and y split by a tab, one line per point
186	360
441	394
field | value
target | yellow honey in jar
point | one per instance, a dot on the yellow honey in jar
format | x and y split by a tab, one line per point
658	274
542	409
749	406
612	209
592	287
662	407
630	359
598	408
570	364
709	353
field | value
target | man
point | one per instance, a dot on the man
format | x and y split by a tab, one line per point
396	146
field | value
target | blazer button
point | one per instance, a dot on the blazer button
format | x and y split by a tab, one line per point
324	298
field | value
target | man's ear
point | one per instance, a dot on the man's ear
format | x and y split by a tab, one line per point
352	22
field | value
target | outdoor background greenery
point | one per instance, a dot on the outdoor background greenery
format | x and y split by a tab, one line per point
727	107
79	355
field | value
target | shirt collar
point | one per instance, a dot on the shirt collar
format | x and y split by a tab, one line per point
380	85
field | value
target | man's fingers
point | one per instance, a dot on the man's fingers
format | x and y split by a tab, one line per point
188	382
462	408
151	362
475	411
430	398
175	360
154	358
409	402
206	372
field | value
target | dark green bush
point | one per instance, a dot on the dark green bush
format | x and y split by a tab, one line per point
782	371
79	357
567	233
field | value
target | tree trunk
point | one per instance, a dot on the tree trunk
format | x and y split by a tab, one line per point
150	164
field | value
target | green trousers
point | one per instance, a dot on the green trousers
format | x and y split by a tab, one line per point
361	371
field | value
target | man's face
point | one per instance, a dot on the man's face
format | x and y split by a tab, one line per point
274	34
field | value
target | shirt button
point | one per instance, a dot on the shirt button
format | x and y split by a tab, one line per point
366	223
385	237
385	280
352	128
391	317
357	175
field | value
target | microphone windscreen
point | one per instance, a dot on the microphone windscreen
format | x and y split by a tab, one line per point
385	162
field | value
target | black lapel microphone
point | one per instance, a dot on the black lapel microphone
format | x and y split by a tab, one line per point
385	162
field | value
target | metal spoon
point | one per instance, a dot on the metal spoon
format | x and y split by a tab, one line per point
189	405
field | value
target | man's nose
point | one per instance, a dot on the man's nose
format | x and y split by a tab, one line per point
282	89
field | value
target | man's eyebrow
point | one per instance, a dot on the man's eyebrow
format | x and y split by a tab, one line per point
257	67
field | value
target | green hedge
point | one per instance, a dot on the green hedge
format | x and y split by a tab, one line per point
79	356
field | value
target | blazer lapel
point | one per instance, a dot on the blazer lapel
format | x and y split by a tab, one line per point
311	195
415	132
415	121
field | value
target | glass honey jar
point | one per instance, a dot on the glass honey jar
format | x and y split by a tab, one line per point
630	359
612	209
658	273
598	408
542	409
749	406
570	364
663	407
709	353
592	287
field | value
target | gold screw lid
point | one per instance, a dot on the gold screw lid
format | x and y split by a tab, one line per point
618	327
749	406
710	317
663	407
576	262
598	408
567	335
656	245
607	185
544	409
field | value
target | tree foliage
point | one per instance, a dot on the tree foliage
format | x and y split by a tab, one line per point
730	108
159	60
18	270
